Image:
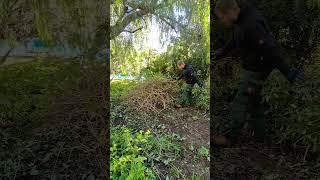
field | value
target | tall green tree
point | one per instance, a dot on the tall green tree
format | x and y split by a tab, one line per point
189	20
136	13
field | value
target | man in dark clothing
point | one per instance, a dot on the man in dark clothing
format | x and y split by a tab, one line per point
191	78
259	56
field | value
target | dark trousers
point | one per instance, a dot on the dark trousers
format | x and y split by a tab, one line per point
248	101
187	96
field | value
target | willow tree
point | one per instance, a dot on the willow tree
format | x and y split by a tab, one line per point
194	42
131	20
16	22
136	13
80	23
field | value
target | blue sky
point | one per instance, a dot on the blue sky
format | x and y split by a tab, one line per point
153	38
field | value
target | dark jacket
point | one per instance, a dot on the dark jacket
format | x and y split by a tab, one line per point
189	75
255	43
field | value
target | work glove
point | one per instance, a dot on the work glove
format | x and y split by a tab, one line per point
295	76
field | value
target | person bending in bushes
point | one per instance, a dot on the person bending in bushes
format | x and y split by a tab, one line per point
259	56
191	78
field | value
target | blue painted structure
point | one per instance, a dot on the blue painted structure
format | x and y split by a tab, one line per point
128	77
34	46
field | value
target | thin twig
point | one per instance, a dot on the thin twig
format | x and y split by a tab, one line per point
305	154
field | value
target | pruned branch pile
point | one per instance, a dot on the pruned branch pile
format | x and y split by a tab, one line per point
152	96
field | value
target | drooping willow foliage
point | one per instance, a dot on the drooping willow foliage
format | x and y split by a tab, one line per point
16	21
83	24
183	24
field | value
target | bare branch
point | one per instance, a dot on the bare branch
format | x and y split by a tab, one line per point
140	28
131	11
141	10
170	21
124	22
167	22
3	59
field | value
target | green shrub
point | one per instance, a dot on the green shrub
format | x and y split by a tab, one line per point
163	148
203	152
154	75
119	88
159	66
202	97
133	153
295	109
127	159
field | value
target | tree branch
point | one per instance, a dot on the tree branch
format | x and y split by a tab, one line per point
167	22
139	10
9	11
140	28
4	58
121	24
166	18
130	11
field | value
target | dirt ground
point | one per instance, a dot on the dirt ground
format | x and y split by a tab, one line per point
192	125
249	160
258	161
245	160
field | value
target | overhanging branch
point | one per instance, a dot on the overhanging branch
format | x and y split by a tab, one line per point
121	24
140	28
138	11
167	22
141	9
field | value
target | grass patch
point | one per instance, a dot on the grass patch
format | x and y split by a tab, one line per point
25	90
120	88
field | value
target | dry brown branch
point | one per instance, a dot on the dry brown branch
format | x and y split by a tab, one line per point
152	96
